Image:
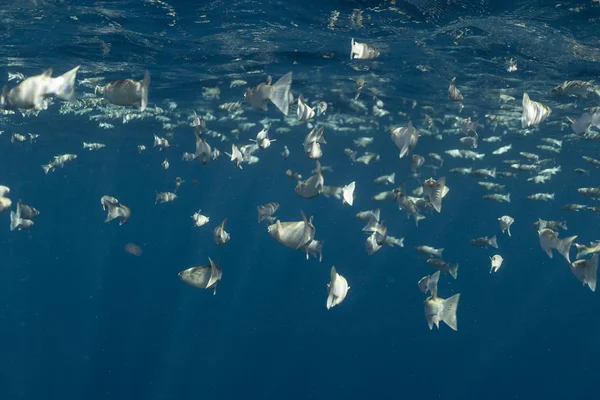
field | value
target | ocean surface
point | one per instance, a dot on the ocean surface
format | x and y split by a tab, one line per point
81	318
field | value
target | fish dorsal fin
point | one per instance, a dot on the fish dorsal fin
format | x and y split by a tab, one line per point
47	73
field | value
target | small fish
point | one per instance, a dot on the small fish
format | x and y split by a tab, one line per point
405	138
586	271
199	219
429	283
438	309
220	235
534	113
541	196
453	93
286	152
363	141
337	289
435	191
278	94
16	221
304	112
497	261
497	197
485	242
266	212
165	164
128	92
430	251
362	51
204	277
165	197
351	154
505	223
386	179
549	240
312	186
93	146
502	149
293	175
577	88
541	224
294	235
348	193
416	161
443	266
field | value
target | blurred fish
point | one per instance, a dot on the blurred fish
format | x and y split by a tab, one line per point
485	242
204	277
304	112
199	219
429	283
438	309
362	51
267	211
430	251
453	93
313	186
278	94
583	251
337	289
128	92
496	263
348	193
444	266
586	271
30	93
295	235
93	146
434	191
577	88
505	223
405	138
220	235
416	161
165	197
534	113
549	240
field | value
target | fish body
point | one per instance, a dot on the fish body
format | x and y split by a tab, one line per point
203	277
337	289
278	94
438	309
128	92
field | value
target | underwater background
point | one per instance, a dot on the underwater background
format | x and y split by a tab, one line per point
80	318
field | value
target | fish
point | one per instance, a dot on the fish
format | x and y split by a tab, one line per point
583	251
348	193
586	271
505	223
438	309
30	94
429	283
386	179
165	197
337	289
314	248
304	112
363	141
266	212
199	219
485	242
497	261
362	51
117	210
93	146
294	235
405	138
534	113
434	191
278	94
453	93
128	92
577	88
203	277
430	251
549	240
407	204
444	266
312	143
498	197
220	235
17	222
312	186
416	161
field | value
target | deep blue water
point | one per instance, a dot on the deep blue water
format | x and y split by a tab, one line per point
80	318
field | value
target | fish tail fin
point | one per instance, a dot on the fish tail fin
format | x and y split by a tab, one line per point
144	90
564	245
15	221
448	312
454	270
508	201
280	93
494	241
592	276
64	86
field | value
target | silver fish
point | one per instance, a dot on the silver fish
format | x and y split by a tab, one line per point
204	277
128	92
277	93
337	289
220	235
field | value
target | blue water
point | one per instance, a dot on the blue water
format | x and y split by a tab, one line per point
80	318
